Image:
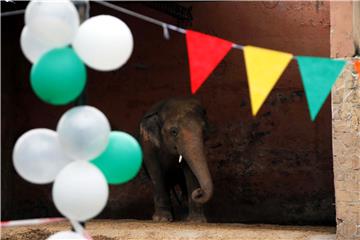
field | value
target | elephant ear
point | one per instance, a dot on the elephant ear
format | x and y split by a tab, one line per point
150	128
208	128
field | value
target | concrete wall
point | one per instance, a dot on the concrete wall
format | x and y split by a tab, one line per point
346	147
345	31
275	168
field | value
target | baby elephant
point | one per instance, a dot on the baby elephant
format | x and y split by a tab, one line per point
172	136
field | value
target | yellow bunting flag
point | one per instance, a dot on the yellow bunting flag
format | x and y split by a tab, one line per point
264	67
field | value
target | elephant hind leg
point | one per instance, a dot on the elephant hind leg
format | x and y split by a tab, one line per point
162	215
162	203
181	194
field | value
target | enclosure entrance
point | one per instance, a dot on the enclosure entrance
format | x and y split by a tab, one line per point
276	168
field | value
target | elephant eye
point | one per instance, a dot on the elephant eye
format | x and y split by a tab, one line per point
174	131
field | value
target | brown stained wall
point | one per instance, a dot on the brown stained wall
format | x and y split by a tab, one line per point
275	168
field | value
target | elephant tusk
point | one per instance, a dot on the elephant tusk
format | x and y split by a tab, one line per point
180	158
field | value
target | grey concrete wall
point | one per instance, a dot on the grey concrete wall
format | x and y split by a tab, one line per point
345	27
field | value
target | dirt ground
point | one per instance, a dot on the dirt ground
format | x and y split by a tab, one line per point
132	229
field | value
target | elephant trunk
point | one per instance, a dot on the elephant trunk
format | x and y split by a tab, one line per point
192	149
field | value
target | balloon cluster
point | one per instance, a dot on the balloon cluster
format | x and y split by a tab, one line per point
58	74
83	155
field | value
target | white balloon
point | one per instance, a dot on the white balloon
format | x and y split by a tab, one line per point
104	42
80	191
66	235
55	22
38	156
83	132
32	47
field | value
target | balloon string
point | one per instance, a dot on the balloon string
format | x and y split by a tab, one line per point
80	230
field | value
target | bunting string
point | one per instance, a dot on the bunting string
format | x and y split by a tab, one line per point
264	67
152	20
142	17
145	18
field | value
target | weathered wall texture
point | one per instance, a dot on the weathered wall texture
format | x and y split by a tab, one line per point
346	122
274	168
346	149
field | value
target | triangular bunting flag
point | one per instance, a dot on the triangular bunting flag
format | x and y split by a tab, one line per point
357	66
263	67
318	76
205	52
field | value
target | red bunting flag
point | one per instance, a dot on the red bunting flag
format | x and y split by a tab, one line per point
205	52
357	66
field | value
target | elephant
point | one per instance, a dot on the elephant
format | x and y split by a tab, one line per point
172	137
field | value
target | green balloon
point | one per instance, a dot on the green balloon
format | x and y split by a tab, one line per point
58	77
121	160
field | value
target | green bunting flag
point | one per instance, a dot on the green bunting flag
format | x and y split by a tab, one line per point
318	76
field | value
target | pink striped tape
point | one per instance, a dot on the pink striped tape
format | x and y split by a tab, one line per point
14	223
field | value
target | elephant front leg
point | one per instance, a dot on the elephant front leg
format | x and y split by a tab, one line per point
161	194
196	210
